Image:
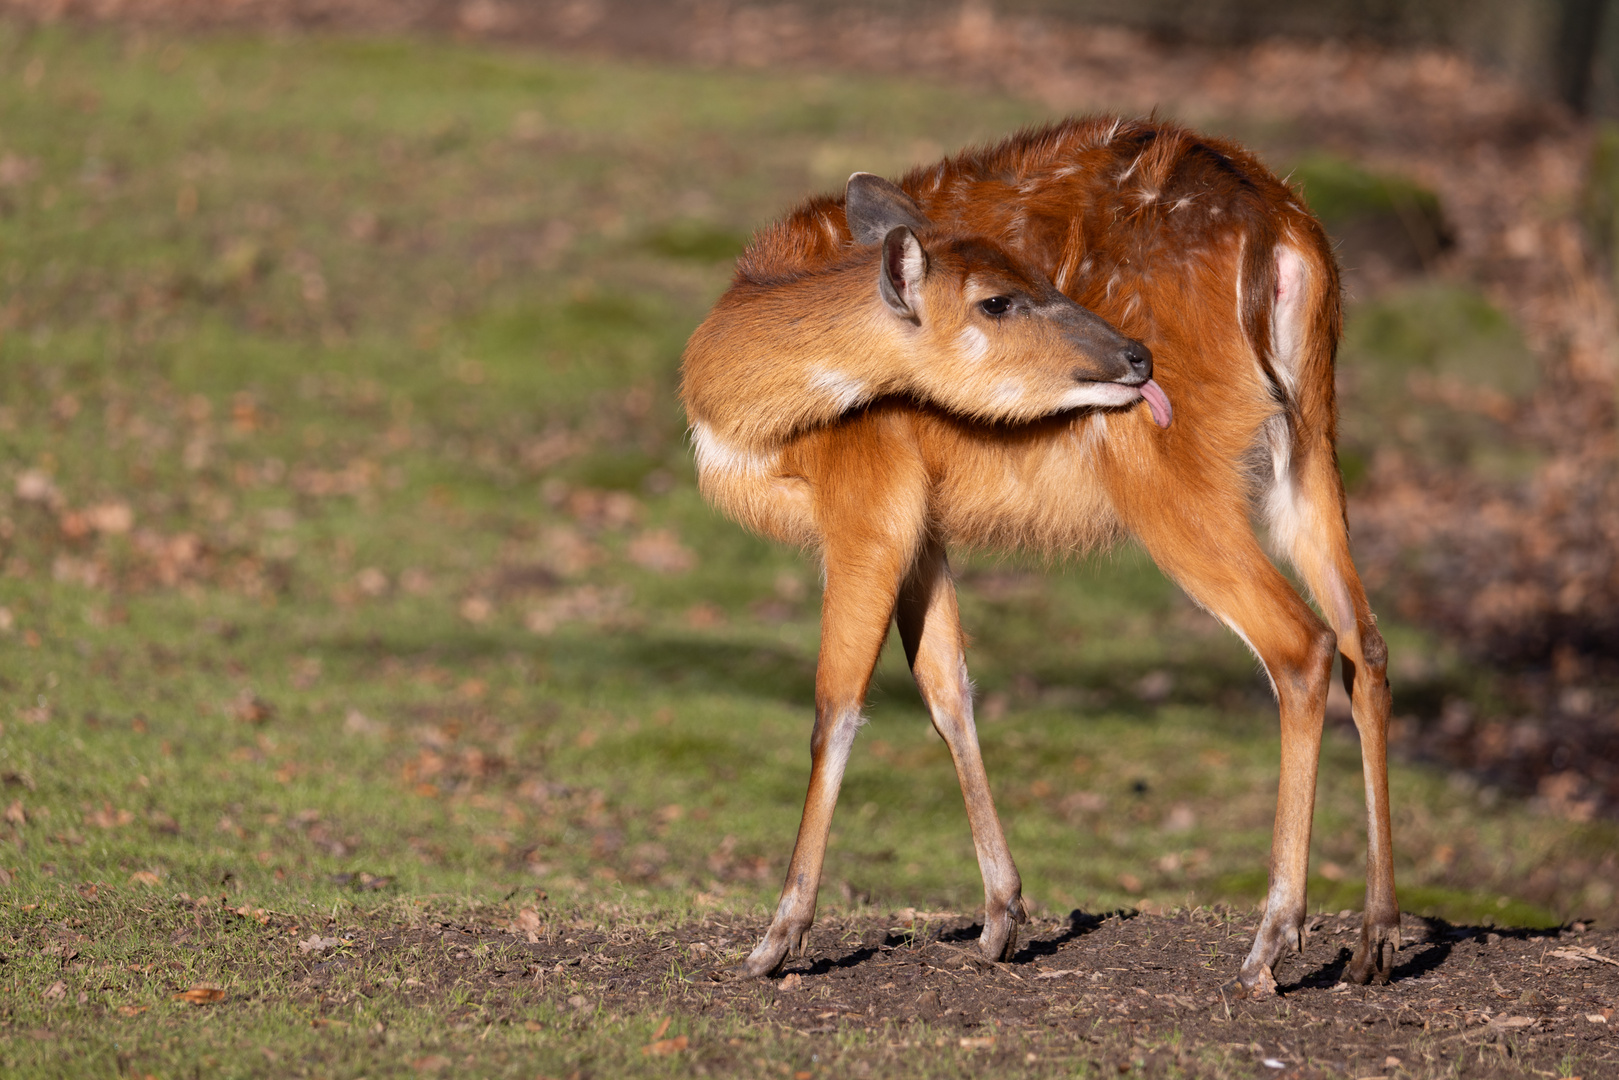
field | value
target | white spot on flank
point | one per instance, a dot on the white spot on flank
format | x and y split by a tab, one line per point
845	390
716	456
974	344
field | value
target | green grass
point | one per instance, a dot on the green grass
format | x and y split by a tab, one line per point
353	569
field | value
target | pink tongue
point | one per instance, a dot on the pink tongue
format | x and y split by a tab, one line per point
1162	414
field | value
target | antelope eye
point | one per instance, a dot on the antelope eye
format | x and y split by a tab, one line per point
996	306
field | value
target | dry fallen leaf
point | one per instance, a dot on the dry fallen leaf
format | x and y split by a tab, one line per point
144	877
108	818
55	991
200	995
981	1042
371	581
36	486
249	708
132	1010
667	1046
115	518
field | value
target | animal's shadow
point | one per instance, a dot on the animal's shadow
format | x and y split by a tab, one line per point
1421	956
1079	924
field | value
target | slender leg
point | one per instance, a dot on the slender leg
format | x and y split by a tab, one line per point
1380	931
1222	567
855	613
1321	552
930	626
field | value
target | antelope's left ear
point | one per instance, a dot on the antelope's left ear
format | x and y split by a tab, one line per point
873	207
905	264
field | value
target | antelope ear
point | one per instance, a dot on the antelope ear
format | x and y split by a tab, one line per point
873	206
905	264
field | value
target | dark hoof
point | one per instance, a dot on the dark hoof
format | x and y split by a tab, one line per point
1373	962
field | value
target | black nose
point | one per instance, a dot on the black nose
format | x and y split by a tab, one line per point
1139	357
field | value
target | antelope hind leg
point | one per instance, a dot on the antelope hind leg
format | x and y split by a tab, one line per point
930	627
1320	550
1369	695
1246	592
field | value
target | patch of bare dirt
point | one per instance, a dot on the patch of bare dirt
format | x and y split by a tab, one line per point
1139	992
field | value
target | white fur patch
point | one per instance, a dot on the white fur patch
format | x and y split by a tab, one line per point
845	726
1287	316
1094	435
1262	665
973	344
1282	512
1103	394
1006	394
1285	517
844	389
716	456
964	687
913	265
1242	261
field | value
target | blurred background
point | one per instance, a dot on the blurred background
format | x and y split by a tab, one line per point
346	511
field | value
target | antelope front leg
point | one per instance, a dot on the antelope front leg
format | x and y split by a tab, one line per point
862	580
789	929
930	627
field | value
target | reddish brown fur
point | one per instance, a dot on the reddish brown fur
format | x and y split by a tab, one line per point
1188	244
